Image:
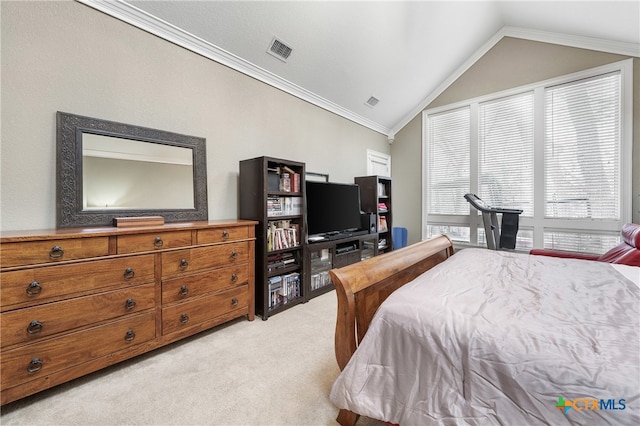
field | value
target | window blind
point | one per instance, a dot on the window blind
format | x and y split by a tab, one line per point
582	148
505	152
569	133
447	177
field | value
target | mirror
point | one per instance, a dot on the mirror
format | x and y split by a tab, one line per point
107	169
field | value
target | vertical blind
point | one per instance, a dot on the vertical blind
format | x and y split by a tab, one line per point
578	133
582	149
505	152
448	162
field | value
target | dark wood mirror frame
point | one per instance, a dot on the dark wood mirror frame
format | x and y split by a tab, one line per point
69	190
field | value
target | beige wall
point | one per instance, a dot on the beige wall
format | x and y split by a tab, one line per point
64	56
510	63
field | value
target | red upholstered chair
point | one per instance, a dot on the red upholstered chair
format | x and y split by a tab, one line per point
626	253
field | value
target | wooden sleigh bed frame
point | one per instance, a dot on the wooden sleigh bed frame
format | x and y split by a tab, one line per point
363	286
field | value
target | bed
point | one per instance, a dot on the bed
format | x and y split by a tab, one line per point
486	337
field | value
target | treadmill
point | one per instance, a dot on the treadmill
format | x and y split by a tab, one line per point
497	238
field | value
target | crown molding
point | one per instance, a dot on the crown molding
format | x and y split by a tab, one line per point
140	19
616	47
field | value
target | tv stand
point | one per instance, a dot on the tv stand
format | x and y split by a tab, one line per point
335	251
334	236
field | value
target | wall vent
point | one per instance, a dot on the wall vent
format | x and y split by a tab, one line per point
372	102
279	49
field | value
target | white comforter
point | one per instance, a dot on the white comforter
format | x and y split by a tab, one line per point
497	338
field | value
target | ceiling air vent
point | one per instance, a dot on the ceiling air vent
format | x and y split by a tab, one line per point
279	49
372	102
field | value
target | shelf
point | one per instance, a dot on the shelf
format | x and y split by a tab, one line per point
376	190
283	271
260	195
285	194
323	256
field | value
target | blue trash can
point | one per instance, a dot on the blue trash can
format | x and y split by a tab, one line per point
399	236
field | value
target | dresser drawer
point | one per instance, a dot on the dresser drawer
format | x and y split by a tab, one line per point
189	261
35	323
193	312
221	235
47	251
38	285
153	241
40	359
191	286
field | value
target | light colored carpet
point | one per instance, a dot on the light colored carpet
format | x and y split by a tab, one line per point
274	372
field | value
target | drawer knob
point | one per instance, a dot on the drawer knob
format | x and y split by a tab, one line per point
234	254
129	273
225	234
56	252
234	302
184	291
34	288
34	327
130	304
234	277
129	335
158	242
35	365
184	263
184	318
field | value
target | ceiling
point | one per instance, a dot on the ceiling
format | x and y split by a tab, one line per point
401	53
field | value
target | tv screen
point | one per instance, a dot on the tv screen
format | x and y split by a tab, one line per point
332	207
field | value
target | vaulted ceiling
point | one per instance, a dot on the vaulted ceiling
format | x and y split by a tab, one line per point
401	53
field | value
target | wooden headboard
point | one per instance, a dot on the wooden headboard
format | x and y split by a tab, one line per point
363	286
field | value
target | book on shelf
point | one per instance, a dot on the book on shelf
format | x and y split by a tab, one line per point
320	280
283	206
283	289
382	207
382	224
283	179
382	190
280	261
282	234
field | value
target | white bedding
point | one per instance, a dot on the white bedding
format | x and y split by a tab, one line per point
497	338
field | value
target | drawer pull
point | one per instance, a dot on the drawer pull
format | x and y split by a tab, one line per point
34	327
234	277
234	302
225	234
158	242
34	288
184	291
129	335
129	273
184	318
130	304
56	252
234	254
184	263
35	365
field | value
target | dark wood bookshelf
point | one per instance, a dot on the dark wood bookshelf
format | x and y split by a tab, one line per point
375	190
259	180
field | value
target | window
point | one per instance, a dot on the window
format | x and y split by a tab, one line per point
553	149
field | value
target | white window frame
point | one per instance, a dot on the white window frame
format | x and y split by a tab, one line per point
538	223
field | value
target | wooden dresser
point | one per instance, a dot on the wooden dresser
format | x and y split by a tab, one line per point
77	300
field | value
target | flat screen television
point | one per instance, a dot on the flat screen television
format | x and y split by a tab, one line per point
332	207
